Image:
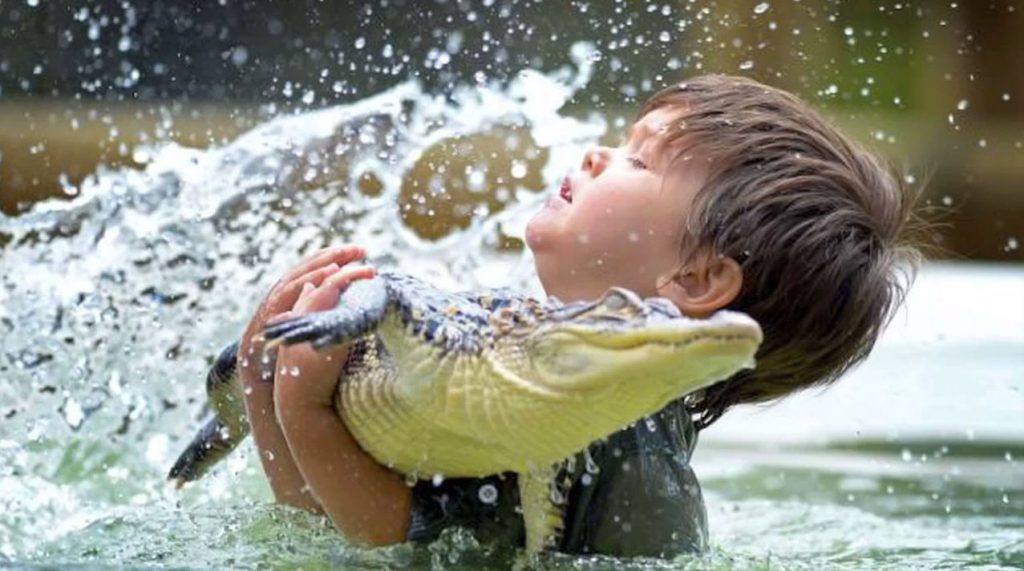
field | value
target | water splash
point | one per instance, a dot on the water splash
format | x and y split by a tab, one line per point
112	303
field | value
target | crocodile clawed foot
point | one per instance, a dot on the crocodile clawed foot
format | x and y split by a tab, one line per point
298	329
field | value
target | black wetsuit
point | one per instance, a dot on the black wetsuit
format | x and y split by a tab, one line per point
637	495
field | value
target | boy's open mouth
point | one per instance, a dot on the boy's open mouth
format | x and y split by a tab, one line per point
566	191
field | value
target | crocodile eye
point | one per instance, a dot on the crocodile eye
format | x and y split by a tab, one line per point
614	300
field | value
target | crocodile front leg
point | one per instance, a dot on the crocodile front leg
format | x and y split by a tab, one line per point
543	506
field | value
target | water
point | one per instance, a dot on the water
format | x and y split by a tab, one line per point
113	304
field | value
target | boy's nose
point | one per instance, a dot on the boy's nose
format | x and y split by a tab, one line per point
595	160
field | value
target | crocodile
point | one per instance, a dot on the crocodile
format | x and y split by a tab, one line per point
481	383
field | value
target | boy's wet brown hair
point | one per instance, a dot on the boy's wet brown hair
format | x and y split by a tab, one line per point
823	231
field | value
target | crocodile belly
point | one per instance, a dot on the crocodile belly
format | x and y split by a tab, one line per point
411	436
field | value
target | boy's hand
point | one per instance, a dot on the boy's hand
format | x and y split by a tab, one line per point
257	369
368	503
304	375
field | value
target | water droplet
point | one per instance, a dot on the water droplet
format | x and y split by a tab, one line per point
488	494
761	8
239	55
518	169
906	456
437	480
72	413
411	479
1011	245
748	64
294	371
141	155
476	179
308	97
556	495
360	43
367	134
848	31
962	105
664	36
589	464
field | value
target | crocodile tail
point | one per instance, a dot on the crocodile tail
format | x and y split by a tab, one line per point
222	433
212	443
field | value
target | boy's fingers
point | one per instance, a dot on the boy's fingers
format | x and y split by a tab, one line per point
285	303
325	296
283	297
339	255
316	299
341	279
277	304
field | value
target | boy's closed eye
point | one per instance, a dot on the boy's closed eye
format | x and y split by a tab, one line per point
638	163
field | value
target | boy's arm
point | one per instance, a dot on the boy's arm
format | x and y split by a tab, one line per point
256	372
367	502
258	379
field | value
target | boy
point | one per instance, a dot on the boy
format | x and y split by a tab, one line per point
726	194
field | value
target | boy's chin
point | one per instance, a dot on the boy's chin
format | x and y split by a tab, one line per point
540	230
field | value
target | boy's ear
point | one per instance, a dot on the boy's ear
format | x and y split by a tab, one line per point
706	283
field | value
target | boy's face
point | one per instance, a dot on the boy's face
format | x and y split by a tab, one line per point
618	220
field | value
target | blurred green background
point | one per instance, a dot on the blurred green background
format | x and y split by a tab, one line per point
937	86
